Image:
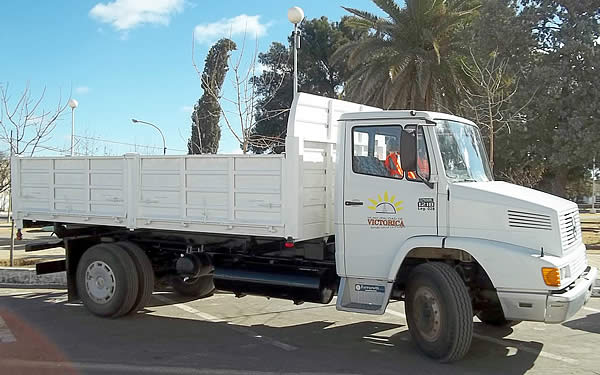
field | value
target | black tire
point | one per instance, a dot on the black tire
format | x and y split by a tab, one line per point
436	290
114	268
199	287
145	275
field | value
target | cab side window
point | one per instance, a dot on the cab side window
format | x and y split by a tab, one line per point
376	151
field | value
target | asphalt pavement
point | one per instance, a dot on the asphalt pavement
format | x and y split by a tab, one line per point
40	333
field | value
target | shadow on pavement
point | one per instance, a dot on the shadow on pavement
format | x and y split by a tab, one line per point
175	338
590	323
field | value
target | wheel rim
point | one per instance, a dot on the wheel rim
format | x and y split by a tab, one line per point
427	312
100	282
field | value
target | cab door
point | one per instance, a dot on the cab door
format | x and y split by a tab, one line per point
383	209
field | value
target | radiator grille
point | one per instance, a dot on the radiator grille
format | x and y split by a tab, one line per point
578	265
570	228
529	220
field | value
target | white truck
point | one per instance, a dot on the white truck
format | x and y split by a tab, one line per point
333	215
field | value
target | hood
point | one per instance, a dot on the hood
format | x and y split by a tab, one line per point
521	196
514	214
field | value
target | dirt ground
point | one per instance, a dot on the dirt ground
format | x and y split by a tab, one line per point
590	227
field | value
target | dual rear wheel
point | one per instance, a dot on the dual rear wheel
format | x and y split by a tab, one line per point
112	280
116	279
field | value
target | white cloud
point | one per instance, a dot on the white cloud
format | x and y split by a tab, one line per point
229	27
186	108
82	90
126	14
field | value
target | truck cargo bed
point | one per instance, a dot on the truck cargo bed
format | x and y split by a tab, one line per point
286	196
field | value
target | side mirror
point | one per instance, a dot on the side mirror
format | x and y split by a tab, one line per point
408	151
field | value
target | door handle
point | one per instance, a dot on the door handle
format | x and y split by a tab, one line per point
353	203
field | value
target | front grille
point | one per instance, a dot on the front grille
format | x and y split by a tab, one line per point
529	220
578	265
570	228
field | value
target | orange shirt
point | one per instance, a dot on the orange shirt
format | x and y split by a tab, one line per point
393	166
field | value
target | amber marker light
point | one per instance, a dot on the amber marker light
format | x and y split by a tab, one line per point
551	276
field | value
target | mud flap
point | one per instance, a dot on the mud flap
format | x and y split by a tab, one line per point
363	295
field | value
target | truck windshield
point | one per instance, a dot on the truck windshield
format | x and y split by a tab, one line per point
462	151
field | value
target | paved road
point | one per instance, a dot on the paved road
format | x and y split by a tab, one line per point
42	334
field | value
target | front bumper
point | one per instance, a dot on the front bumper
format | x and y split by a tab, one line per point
561	306
554	307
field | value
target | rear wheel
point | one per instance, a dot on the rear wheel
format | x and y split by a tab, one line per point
107	281
197	287
145	274
439	312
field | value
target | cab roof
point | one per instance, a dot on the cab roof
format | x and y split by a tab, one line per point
401	114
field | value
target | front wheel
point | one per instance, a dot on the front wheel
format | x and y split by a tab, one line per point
439	312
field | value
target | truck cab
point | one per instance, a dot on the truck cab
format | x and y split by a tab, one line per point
518	251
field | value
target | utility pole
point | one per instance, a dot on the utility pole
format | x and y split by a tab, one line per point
12	219
593	210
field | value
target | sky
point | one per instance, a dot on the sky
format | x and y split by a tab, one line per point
124	59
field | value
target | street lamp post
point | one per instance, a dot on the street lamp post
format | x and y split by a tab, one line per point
73	104
155	127
296	15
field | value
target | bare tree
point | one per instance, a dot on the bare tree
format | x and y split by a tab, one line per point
487	96
24	124
524	175
242	107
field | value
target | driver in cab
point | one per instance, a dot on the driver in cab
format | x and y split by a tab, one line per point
392	163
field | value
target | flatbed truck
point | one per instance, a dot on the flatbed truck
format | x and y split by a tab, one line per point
327	217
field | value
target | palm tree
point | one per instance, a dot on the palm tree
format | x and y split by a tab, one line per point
409	59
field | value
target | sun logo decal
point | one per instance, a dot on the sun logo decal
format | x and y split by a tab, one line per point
387	205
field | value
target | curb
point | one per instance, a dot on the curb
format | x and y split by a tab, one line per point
28	276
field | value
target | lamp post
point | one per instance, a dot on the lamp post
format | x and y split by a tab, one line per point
155	127
296	15
73	104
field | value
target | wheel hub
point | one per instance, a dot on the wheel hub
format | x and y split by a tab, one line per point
100	282
428	314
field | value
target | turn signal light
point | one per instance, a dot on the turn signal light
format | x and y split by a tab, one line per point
551	276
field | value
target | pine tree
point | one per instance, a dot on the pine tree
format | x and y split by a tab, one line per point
206	132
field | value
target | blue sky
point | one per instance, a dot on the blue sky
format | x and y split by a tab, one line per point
128	59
